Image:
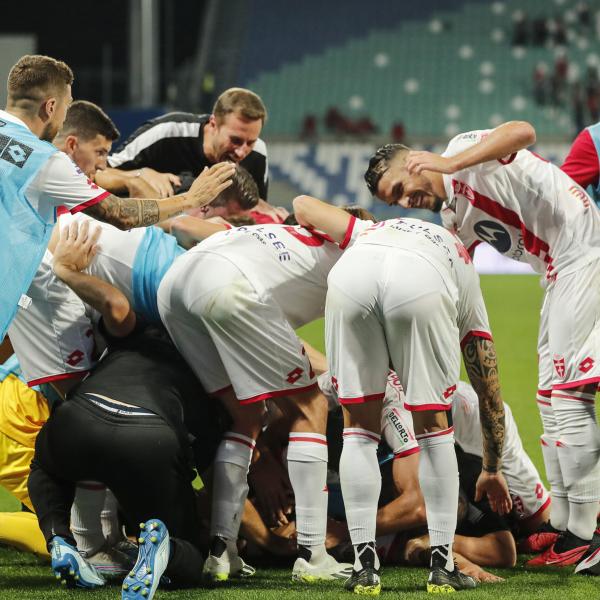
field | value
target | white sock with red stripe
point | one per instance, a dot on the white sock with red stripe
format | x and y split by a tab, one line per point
360	479
307	467
230	484
578	449
559	507
86	524
438	477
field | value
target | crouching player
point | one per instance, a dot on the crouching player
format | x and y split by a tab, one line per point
129	427
418	298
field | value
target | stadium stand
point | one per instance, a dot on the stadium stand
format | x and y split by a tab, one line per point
398	64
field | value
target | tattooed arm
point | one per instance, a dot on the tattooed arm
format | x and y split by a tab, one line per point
479	356
126	213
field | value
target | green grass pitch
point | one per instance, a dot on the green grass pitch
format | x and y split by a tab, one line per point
513	304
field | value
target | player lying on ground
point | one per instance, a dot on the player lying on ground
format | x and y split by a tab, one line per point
418	301
491	188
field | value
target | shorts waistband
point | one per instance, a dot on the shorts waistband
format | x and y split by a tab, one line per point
116	408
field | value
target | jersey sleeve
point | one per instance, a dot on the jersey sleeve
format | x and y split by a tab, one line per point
581	163
472	314
61	183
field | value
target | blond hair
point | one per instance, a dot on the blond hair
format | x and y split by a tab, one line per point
241	101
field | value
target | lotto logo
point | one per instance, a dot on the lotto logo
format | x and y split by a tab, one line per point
294	375
334	382
559	366
586	364
539	491
75	357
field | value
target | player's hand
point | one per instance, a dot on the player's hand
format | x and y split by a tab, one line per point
271	486
162	183
419	161
210	183
76	247
480	575
138	187
493	485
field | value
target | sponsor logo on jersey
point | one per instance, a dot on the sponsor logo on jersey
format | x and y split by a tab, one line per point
580	195
14	152
586	364
75	358
494	234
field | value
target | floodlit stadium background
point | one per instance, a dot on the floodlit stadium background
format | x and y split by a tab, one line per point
339	79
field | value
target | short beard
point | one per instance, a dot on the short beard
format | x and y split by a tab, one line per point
49	133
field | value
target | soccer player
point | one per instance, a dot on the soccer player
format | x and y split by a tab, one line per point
417	304
492	189
185	143
236	329
37	179
582	164
132	433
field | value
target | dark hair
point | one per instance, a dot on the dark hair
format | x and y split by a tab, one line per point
239	220
239	100
243	190
86	120
360	213
36	77
379	164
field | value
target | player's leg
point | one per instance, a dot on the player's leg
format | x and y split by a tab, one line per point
422	333
574	342
359	360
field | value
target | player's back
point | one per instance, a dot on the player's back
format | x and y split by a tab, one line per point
289	262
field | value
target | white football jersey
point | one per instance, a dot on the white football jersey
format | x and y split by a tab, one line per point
523	206
290	263
448	256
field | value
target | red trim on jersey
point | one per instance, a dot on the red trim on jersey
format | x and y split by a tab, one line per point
543	402
544	393
576	398
278	394
362	399
312	440
533	244
448	431
348	234
89	203
49	378
61	210
543	442
572	384
406	453
538	511
581	163
420	407
475	333
371	436
472	247
233	438
227	387
228	225
507	161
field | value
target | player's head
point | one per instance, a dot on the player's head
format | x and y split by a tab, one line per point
234	126
39	87
87	136
389	180
239	197
360	213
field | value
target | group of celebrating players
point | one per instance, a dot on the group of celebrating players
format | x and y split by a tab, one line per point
160	330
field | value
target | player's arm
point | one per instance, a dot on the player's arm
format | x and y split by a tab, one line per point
494	549
314	213
74	251
190	231
127	213
118	181
407	510
479	355
502	142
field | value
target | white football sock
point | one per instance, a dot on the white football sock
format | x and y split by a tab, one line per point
86	524
109	518
360	479
578	451
230	484
438	477
307	467
559	507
